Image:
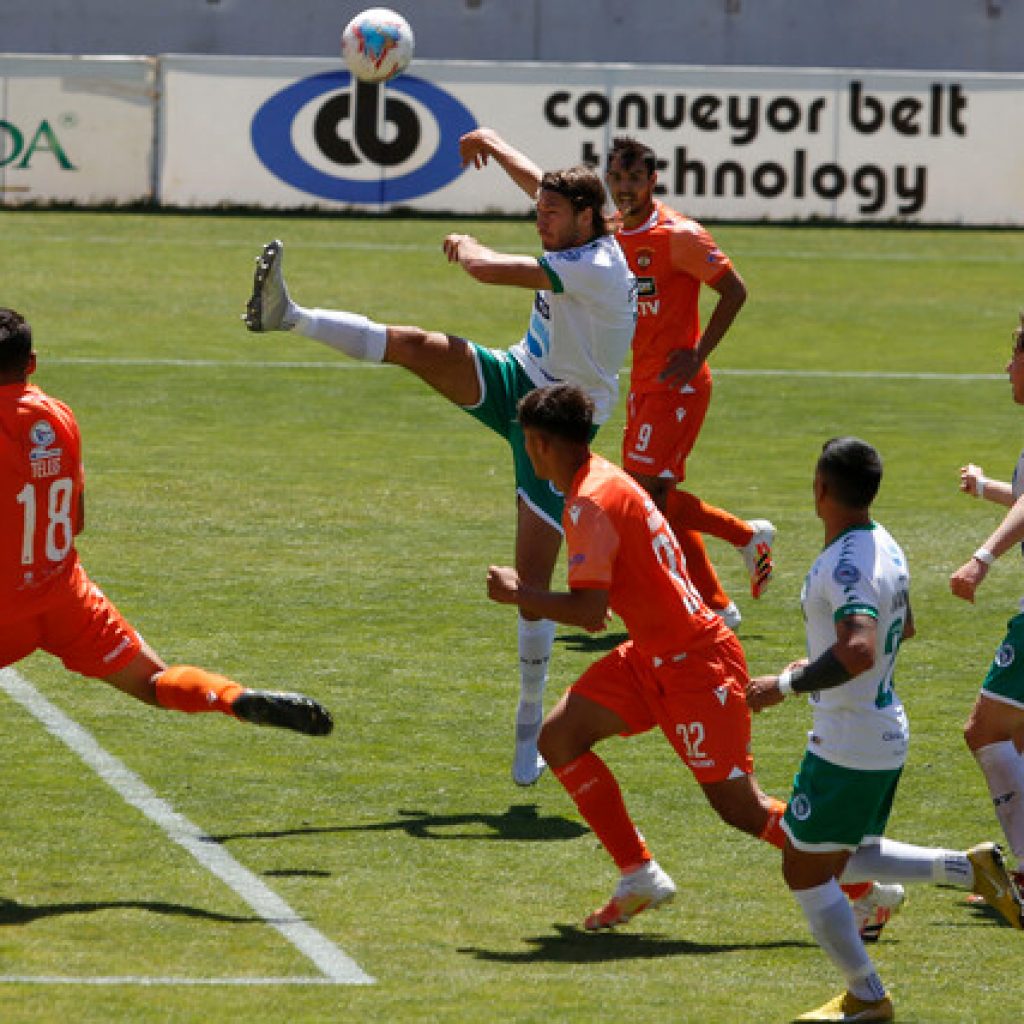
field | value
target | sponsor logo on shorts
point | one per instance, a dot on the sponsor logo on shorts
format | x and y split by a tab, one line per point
800	807
1004	656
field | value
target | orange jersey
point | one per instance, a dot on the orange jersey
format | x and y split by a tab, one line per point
41	481
617	540
671	256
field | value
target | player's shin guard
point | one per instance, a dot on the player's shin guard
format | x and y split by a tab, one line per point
700	569
190	689
598	798
685	511
1003	768
352	333
772	832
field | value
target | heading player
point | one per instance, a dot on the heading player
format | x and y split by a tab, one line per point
47	602
580	327
673	257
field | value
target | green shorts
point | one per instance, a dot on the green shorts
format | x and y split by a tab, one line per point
1005	678
503	382
833	808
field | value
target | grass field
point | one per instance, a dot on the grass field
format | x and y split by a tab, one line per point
265	508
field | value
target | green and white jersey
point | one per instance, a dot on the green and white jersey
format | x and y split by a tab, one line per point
860	724
582	326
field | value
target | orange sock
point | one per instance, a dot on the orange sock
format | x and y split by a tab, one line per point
189	689
700	570
597	796
691	513
855	890
772	831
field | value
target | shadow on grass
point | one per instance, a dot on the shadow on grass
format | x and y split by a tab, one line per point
520	823
572	945
14	913
595	643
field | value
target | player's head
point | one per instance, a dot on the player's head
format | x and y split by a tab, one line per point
561	410
570	208
631	174
1015	367
16	357
850	472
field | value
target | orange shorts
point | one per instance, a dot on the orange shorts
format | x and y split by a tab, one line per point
81	627
662	428
697	700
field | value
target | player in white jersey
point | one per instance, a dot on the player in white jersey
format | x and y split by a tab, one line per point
995	726
580	330
856	604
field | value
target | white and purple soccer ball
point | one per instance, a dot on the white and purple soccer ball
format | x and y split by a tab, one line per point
377	44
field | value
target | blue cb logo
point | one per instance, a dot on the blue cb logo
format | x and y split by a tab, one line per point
363	141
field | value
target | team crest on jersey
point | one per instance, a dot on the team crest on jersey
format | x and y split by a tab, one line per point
644	258
800	807
846	574
43	456
1004	656
574	514
646	287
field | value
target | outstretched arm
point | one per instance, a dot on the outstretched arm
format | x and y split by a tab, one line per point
481	144
966	580
490	267
974	482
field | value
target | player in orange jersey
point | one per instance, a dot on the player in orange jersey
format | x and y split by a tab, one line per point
47	602
670	383
682	670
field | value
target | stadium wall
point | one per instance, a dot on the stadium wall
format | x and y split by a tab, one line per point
289	133
954	35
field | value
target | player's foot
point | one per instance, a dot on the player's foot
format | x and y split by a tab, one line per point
848	1007
993	882
757	556
874	909
730	614
528	765
644	889
269	308
285	710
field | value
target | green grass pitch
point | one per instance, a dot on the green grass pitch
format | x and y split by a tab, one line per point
261	506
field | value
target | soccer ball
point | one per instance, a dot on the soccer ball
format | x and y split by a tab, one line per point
377	44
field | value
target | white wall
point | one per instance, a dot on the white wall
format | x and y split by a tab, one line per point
982	35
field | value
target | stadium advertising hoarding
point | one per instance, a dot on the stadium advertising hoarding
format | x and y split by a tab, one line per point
76	130
740	143
734	143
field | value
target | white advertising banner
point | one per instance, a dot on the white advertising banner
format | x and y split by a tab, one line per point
734	143
76	129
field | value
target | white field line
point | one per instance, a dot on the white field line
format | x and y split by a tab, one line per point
352	364
335	966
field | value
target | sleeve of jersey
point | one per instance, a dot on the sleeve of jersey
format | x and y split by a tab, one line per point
591	543
851	592
694	252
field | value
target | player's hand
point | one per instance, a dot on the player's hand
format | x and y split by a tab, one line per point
455	246
966	580
477	147
969	477
681	368
763	692
502	584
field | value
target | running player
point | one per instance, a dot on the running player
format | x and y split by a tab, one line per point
995	728
670	383
47	602
682	670
856	607
580	327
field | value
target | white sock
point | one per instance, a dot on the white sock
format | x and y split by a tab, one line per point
834	927
536	638
352	333
1003	768
891	861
